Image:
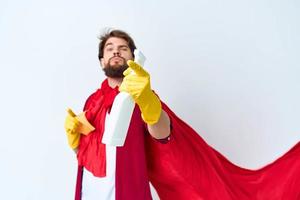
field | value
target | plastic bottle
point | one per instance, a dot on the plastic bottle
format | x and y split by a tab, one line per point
117	122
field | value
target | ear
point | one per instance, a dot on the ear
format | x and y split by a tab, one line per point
102	62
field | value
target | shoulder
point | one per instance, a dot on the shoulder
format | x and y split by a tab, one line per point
92	98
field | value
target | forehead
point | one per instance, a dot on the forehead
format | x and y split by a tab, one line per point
116	42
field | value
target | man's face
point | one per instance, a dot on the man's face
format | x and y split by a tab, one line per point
116	52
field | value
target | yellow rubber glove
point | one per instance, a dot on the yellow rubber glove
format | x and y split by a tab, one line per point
71	126
76	125
138	86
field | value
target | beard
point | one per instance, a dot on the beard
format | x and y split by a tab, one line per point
115	71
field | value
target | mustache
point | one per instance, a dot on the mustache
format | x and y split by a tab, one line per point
117	57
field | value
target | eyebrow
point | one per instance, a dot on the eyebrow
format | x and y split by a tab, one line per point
118	46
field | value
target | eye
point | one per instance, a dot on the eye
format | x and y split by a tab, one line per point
124	49
109	49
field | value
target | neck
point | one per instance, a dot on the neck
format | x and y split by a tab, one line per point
113	82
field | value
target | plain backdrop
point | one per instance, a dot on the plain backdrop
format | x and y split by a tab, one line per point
230	69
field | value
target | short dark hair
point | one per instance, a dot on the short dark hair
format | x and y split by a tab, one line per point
115	33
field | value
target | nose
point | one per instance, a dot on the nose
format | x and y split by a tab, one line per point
116	52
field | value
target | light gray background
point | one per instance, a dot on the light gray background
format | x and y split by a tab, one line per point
230	69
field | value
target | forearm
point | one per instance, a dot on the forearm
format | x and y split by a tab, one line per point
138	86
161	129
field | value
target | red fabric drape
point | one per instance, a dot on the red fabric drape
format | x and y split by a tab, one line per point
188	168
91	153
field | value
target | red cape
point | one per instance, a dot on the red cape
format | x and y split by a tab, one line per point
188	168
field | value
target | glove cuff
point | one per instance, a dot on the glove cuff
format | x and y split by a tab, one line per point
151	109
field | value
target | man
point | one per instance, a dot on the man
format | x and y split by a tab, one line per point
160	147
115	52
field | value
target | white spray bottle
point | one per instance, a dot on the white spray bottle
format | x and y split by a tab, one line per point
117	124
